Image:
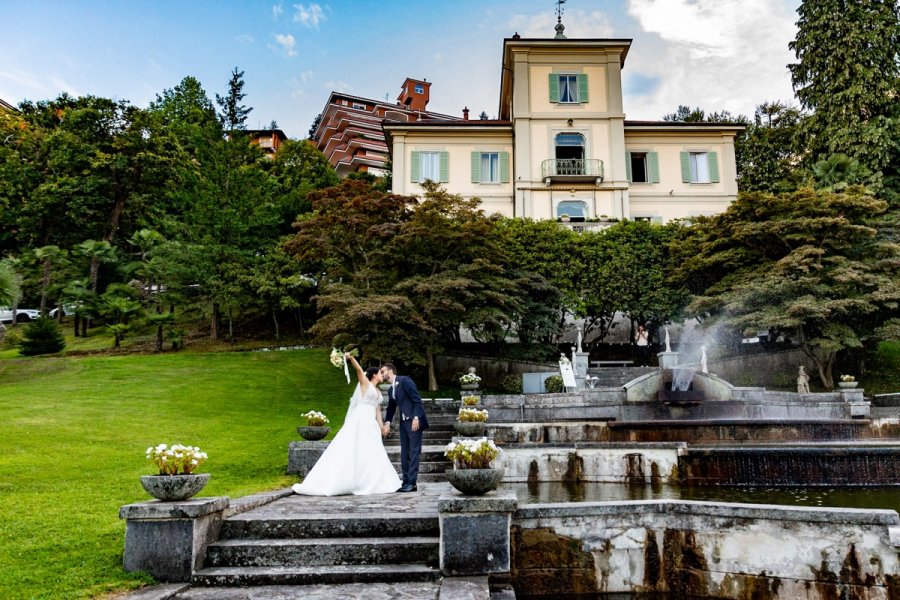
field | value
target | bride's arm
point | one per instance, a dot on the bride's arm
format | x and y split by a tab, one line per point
360	375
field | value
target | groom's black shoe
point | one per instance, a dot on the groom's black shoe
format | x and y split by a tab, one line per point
408	488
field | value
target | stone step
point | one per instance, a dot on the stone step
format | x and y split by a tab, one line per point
323	551
429	467
430	453
432	477
255	576
330	525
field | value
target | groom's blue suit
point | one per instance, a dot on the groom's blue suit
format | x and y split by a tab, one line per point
404	395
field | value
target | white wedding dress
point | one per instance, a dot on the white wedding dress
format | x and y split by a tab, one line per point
355	461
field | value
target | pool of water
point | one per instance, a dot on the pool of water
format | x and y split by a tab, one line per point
847	497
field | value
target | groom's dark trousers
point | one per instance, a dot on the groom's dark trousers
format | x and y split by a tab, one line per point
410	448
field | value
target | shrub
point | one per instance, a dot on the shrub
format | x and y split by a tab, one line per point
13	338
41	337
554	384
512	384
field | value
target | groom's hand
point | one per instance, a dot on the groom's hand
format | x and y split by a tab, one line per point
415	424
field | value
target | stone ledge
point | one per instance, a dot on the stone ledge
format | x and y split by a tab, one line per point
186	509
465	588
843	516
894	534
164	591
246	503
498	501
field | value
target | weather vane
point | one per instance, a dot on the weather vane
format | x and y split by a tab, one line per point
559	10
559	26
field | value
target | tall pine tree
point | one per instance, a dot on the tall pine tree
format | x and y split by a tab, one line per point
847	74
234	114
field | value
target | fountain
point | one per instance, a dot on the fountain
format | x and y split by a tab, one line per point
610	477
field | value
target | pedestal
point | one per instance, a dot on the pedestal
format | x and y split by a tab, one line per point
667	360
303	455
169	539
475	532
580	366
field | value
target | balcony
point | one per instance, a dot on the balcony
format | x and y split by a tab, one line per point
571	170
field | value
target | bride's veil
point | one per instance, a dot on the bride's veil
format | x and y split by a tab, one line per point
354	399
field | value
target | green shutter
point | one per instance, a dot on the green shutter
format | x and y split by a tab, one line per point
628	166
445	167
686	167
653	166
713	161
476	167
554	87
415	167
582	87
504	167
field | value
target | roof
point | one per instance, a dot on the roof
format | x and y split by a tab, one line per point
7	105
682	125
280	133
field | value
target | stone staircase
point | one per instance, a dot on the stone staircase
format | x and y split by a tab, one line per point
432	462
286	544
617	376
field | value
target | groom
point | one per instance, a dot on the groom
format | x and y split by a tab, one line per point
404	395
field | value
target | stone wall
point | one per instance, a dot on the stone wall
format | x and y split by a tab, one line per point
491	371
705	549
772	369
602	462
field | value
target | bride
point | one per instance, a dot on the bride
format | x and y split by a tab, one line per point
355	461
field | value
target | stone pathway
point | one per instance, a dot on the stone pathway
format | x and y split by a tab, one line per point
427	590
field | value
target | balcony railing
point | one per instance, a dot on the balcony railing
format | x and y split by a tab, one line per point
572	169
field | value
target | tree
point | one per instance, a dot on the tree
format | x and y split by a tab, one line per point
806	265
97	252
47	257
41	337
311	135
771	150
686	114
298	169
233	114
10	284
848	74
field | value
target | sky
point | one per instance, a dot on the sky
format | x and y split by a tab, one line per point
716	54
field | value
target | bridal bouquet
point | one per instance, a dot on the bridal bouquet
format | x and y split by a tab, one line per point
338	360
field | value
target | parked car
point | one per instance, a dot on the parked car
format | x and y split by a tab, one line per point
23	315
67	309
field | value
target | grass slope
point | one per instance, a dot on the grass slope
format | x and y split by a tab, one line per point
74	435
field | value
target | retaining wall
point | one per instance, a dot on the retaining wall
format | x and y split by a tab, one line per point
705	549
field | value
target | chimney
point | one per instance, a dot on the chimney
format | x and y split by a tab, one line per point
466	114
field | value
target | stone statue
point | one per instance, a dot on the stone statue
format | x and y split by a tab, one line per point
579	340
563	359
802	381
703	360
668	347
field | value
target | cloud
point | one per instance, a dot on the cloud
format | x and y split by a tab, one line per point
310	16
287	43
277	9
22	78
716	54
59	85
155	66
297	85
338	86
244	38
579	24
438	56
306	76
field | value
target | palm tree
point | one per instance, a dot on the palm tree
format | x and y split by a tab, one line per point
47	256
98	252
10	282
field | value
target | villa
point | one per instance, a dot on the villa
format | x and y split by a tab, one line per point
563	147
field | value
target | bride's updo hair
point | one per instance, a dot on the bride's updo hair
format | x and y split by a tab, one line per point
370	372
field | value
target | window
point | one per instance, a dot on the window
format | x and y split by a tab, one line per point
490	167
358	105
642	167
420	89
699	167
568	88
573	208
431	165
569	154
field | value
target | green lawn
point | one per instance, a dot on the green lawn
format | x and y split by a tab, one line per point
74	434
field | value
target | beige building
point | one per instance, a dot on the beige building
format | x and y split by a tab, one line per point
562	145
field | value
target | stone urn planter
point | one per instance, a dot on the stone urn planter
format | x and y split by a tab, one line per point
847	384
469	428
475	482
313	433
171	488
469	386
384	386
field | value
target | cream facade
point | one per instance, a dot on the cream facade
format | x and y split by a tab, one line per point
564	147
